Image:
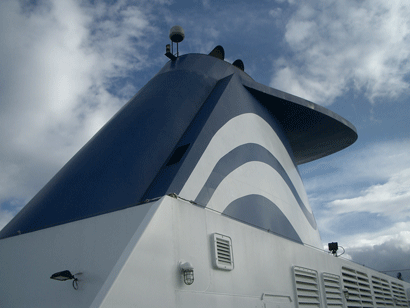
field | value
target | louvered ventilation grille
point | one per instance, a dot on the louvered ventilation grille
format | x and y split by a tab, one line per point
224	251
382	293
307	288
223	255
357	284
399	295
333	290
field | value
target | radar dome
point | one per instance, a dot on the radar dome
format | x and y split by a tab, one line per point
176	34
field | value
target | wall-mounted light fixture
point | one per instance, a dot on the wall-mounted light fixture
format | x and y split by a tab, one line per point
65	275
187	270
333	247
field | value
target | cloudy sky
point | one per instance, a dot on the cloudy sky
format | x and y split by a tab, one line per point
67	66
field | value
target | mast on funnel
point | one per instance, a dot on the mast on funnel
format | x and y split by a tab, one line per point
177	35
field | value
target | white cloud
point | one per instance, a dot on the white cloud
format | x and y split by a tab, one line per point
391	198
384	250
361	197
63	73
374	163
276	12
5	217
398	235
361	200
57	62
389	251
336	43
381	240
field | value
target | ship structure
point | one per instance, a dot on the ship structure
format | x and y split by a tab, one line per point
190	196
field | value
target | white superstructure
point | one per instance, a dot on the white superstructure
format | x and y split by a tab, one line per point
190	196
130	258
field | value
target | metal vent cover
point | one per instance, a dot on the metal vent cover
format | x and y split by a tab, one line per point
382	293
400	298
307	287
333	290
358	287
223	253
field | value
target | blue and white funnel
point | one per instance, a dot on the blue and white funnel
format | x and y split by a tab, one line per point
203	129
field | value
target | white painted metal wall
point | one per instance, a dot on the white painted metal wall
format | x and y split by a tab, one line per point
91	246
130	258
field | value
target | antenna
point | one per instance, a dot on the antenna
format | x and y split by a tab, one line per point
177	35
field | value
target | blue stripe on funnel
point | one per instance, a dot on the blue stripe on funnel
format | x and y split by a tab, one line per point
237	157
261	212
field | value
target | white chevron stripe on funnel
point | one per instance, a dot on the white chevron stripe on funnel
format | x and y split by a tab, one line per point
245	128
212	187
263	180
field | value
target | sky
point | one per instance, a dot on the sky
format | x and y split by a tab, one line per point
67	66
